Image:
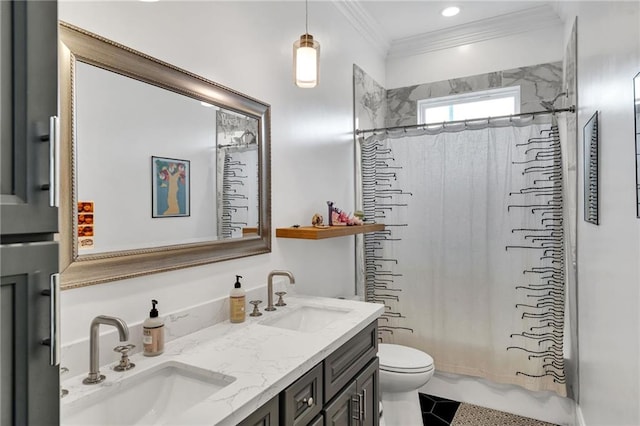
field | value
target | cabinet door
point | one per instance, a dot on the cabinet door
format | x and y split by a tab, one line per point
303	400
340	412
267	415
30	385
29	81
367	388
343	364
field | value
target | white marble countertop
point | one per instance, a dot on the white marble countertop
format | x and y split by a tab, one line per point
263	359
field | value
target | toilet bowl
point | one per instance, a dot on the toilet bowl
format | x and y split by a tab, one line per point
403	370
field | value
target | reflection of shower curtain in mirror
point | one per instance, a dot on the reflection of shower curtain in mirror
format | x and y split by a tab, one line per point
453	202
239	194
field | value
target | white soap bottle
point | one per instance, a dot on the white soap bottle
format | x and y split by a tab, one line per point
237	302
153	333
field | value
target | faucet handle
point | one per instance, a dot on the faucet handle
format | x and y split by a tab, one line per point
280	301
124	364
255	312
63	392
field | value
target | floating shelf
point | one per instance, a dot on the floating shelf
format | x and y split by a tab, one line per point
313	233
249	231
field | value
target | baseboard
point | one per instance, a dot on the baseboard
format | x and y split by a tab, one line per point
579	417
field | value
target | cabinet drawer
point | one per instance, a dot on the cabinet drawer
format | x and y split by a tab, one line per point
342	365
318	421
303	400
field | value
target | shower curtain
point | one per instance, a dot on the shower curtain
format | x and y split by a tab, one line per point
471	264
237	190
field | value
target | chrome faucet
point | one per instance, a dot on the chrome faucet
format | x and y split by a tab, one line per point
94	364
272	274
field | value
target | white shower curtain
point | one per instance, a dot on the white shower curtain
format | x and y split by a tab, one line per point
237	189
451	287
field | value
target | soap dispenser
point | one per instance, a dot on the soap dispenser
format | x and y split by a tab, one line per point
153	333
237	302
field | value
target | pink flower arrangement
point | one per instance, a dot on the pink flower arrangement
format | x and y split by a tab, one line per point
340	217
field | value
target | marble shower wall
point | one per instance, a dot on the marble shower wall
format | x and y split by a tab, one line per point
370	100
537	83
571	84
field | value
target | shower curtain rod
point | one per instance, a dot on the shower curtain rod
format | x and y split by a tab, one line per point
572	108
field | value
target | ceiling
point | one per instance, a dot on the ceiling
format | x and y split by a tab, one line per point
400	18
400	27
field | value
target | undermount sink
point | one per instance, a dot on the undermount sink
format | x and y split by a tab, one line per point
152	397
306	318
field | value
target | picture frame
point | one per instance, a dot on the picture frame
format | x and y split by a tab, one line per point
170	187
590	135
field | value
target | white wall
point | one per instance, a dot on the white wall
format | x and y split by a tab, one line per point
531	48
247	46
608	254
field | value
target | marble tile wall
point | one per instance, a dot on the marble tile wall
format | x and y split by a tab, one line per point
537	82
370	100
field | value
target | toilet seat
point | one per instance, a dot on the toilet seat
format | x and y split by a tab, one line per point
402	359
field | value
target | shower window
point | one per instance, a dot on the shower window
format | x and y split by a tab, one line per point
486	103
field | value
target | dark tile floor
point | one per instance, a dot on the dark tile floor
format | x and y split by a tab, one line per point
437	411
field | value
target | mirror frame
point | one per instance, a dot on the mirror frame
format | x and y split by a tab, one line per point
76	44
636	138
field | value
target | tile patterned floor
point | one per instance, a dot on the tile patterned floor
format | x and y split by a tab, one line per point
438	411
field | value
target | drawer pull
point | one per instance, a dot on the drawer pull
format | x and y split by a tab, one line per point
53	341
363	405
308	401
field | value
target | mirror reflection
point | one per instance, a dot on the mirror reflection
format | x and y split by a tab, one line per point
237	179
121	123
165	169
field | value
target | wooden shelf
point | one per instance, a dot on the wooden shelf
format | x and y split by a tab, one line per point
313	233
249	231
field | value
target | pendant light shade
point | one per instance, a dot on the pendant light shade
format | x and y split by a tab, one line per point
306	59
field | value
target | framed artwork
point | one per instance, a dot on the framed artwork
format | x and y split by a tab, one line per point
590	146
170	187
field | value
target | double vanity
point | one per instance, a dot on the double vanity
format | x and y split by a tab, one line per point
310	362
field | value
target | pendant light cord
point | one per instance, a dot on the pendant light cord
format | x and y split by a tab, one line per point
306	16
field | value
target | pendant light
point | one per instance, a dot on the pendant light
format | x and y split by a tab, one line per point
306	57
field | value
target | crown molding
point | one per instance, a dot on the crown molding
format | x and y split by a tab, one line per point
531	19
364	24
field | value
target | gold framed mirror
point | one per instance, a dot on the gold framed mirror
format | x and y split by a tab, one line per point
139	155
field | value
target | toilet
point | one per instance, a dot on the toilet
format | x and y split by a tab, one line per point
403	370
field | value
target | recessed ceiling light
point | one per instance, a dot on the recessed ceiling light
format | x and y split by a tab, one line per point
450	11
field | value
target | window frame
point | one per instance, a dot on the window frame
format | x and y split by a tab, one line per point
461	98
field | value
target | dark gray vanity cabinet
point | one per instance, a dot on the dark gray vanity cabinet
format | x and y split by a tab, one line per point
267	415
29	385
341	390
302	401
357	403
345	362
29	78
